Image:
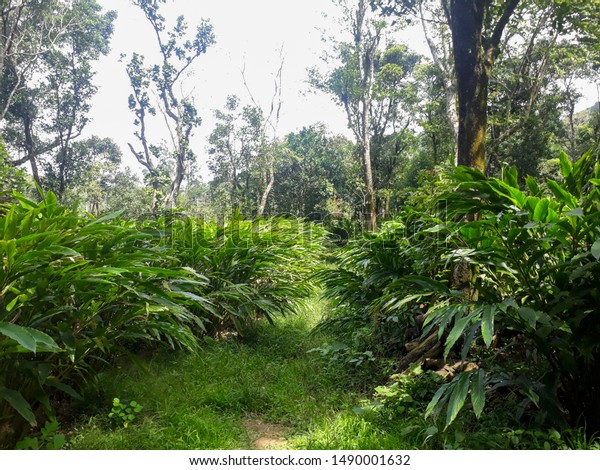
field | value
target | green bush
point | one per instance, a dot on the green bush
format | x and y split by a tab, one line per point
508	278
75	291
535	255
253	269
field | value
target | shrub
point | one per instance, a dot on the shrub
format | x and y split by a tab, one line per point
253	269
526	314
75	291
536	258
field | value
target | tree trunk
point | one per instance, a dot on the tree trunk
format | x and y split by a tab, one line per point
466	23
366	45
371	215
171	199
263	199
30	149
474	57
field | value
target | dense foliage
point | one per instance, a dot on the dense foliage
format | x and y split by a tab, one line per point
79	291
475	287
524	318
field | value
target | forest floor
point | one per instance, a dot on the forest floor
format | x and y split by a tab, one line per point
265	391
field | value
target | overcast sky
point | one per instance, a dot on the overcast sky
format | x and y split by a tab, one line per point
250	34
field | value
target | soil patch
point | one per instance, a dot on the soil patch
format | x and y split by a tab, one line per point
265	435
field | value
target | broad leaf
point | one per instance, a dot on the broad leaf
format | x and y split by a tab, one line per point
478	392
20	334
487	324
16	400
596	249
565	165
457	400
455	334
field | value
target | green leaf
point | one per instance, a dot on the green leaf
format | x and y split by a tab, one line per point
11	305
435	400
455	333
31	339
20	334
529	315
16	400
487	324
478	392
44	342
596	249
565	165
562	194
510	177
541	210
532	185
65	388
457	400
428	283
106	218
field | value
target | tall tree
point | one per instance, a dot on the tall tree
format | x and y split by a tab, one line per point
178	53
47	57
370	83
317	177
29	30
243	158
235	143
476	27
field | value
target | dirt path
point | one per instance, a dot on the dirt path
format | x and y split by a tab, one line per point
266	435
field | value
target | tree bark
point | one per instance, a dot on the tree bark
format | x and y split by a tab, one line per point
466	22
474	57
366	48
263	199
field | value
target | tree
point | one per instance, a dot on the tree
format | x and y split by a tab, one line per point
243	157
47	78
434	23
178	53
235	144
371	83
316	178
90	163
29	30
476	27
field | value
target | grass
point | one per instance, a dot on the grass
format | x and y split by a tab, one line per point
215	398
204	400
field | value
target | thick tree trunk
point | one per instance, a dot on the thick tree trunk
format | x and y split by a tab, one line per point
474	57
466	23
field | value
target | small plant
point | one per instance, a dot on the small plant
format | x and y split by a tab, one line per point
49	438
122	413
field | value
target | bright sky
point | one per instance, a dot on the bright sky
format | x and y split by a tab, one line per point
248	33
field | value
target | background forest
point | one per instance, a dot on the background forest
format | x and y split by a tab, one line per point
447	246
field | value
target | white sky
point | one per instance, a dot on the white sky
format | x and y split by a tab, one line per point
248	32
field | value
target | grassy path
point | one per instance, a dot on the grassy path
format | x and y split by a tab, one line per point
267	391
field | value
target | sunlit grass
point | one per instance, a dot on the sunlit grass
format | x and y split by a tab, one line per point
201	400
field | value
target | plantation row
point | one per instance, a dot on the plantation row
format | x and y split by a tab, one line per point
494	287
75	292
